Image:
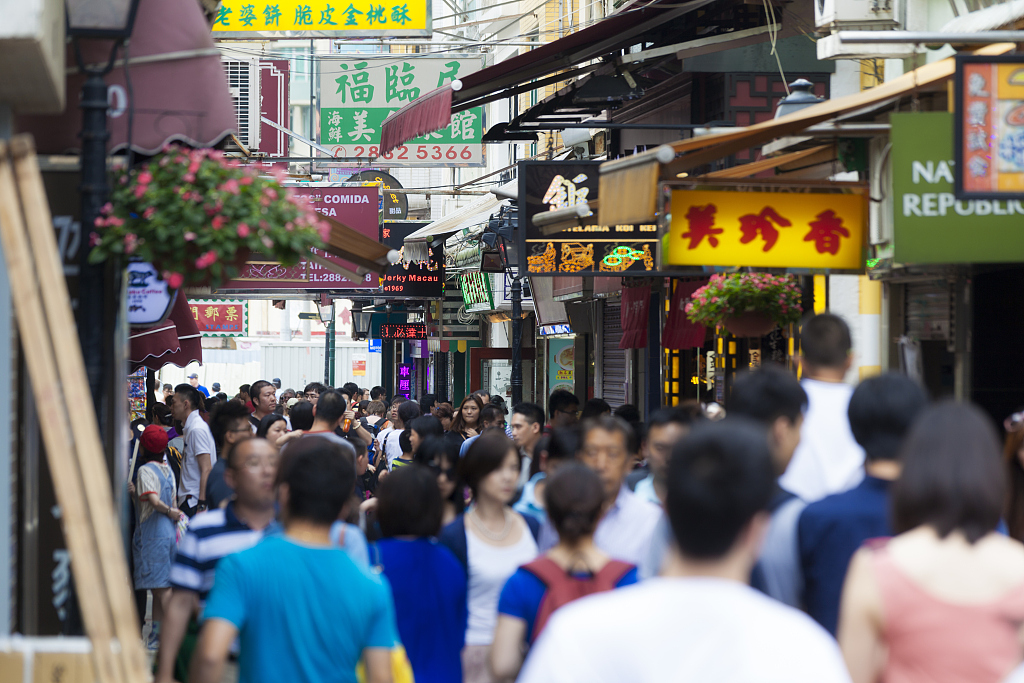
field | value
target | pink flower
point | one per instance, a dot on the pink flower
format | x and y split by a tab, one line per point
325	230
107	208
230	186
268	243
94	239
165	161
210	210
263	224
145	178
114	220
124	180
99	222
174	280
218	222
194	166
265	201
270	193
206	260
139	191
243	230
130	243
148	213
190	236
247	180
189	177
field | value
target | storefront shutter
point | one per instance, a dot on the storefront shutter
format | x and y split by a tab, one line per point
928	310
613	359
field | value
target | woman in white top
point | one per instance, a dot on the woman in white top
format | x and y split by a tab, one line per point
491	540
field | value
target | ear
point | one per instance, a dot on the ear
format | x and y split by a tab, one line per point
314	410
849	362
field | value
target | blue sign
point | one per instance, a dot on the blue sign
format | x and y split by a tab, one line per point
375	346
549	330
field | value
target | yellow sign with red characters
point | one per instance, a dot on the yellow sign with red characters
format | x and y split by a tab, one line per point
766	229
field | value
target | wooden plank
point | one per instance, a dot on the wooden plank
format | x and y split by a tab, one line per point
56	432
71	372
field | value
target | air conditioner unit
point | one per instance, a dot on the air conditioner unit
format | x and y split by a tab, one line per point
857	14
244	83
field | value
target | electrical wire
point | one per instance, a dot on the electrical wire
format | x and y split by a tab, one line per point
773	37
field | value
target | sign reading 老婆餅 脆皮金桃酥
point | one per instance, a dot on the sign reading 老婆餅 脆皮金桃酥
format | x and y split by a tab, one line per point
766	229
357	94
325	18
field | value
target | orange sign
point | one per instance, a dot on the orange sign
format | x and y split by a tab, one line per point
766	229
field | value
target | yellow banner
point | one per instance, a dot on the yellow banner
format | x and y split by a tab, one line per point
766	229
369	17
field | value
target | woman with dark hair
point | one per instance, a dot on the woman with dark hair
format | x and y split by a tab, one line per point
274	428
443	459
422	428
944	599
467	420
490	540
1013	456
428	583
574	498
445	414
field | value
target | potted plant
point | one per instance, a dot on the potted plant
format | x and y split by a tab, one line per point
197	216
747	304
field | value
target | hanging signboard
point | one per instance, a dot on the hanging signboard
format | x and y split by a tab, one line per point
260	19
412	280
404	331
404	380
794	229
989	134
220	317
476	292
610	250
357	94
396	204
149	298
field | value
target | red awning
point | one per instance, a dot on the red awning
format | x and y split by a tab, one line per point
636	304
177	340
679	332
434	111
178	82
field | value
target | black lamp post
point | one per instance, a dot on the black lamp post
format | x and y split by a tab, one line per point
325	307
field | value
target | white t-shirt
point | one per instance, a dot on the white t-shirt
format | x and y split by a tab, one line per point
390	441
683	630
489	568
828	460
198	440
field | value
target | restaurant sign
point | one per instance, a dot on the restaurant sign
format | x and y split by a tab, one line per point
322	18
766	229
220	317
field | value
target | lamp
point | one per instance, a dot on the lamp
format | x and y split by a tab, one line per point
101	18
361	322
800	96
325	311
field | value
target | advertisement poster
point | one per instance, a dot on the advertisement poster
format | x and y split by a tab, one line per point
561	364
359	364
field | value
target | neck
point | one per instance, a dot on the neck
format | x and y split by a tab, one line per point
611	501
735	566
824	374
260	414
256	516
308	533
489	508
321	426
883	469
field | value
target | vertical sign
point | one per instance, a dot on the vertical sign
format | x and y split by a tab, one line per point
404	381
561	365
274	93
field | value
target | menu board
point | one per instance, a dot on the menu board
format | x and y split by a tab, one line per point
561	364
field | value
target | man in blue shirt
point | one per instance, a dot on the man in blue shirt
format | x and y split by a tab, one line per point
832	529
300	607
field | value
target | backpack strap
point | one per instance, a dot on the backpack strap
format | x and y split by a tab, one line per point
545	569
611	574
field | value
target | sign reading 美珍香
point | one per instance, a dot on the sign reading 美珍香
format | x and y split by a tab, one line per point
322	18
930	225
412	280
220	317
610	250
802	229
989	134
357	94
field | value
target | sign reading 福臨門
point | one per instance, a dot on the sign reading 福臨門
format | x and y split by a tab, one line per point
325	18
356	95
989	136
766	229
583	249
220	318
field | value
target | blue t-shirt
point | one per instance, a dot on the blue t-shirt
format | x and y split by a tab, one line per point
523	593
304	613
429	587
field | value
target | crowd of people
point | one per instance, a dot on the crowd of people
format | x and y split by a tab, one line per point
816	532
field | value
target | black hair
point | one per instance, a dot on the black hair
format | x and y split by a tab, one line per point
627	412
351	388
222	396
431	453
684	416
244	389
409	503
574	500
531	411
363	405
561	399
484	456
595	407
190	394
953	477
766	394
223	416
427	402
825	340
459	421
881	411
321	476
563	444
377	393
491	413
408	411
163	414
718	478
404	442
256	388
168	386
330	406
357	443
612	425
426	426
480	393
314	386
301	415
266	423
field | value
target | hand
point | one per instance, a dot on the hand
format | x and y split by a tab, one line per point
131	489
174	513
370	468
470	432
367	505
294	434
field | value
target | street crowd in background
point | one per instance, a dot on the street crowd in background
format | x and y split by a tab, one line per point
820	533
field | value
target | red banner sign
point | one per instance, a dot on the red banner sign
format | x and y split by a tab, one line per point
636	303
220	318
679	332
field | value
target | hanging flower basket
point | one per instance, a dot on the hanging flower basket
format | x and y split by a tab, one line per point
197	217
746	304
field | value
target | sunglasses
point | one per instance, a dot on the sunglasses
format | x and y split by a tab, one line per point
448	472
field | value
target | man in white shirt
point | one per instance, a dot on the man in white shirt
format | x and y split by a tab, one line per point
828	459
200	450
699	622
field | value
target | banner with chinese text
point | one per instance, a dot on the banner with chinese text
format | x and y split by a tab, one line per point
220	317
766	229
322	18
356	95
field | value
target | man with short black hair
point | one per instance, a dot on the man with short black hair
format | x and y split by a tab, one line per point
200	449
428	403
828	459
168	392
701	622
229	424
377	394
327	414
193	379
337	613
563	409
313	391
527	426
665	429
264	401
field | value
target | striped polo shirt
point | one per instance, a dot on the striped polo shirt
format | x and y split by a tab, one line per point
211	535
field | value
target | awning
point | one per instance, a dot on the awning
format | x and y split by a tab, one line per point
792	161
178	82
1005	15
177	340
629	186
473	214
521	73
357	248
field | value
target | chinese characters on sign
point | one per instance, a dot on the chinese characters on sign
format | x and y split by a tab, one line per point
588	249
412	280
404	331
356	95
990	125
324	17
404	379
767	229
220	318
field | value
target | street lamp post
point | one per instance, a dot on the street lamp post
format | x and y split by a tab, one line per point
517	340
325	307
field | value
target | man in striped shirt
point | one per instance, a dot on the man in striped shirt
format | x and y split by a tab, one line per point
251	470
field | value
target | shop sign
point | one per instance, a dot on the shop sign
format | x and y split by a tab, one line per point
359	364
220	318
561	364
149	298
395	205
404	331
357	94
794	229
553	330
322	18
375	346
476	292
930	225
580	250
404	371
989	134
412	280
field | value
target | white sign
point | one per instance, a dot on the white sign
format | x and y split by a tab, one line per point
149	300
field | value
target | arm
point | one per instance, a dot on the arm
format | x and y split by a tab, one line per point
861	623
205	465
378	664
154	499
172	632
212	650
506	656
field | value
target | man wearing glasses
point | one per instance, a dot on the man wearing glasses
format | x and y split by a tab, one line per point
563	409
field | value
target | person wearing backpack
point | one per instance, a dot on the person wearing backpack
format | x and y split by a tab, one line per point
574	568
